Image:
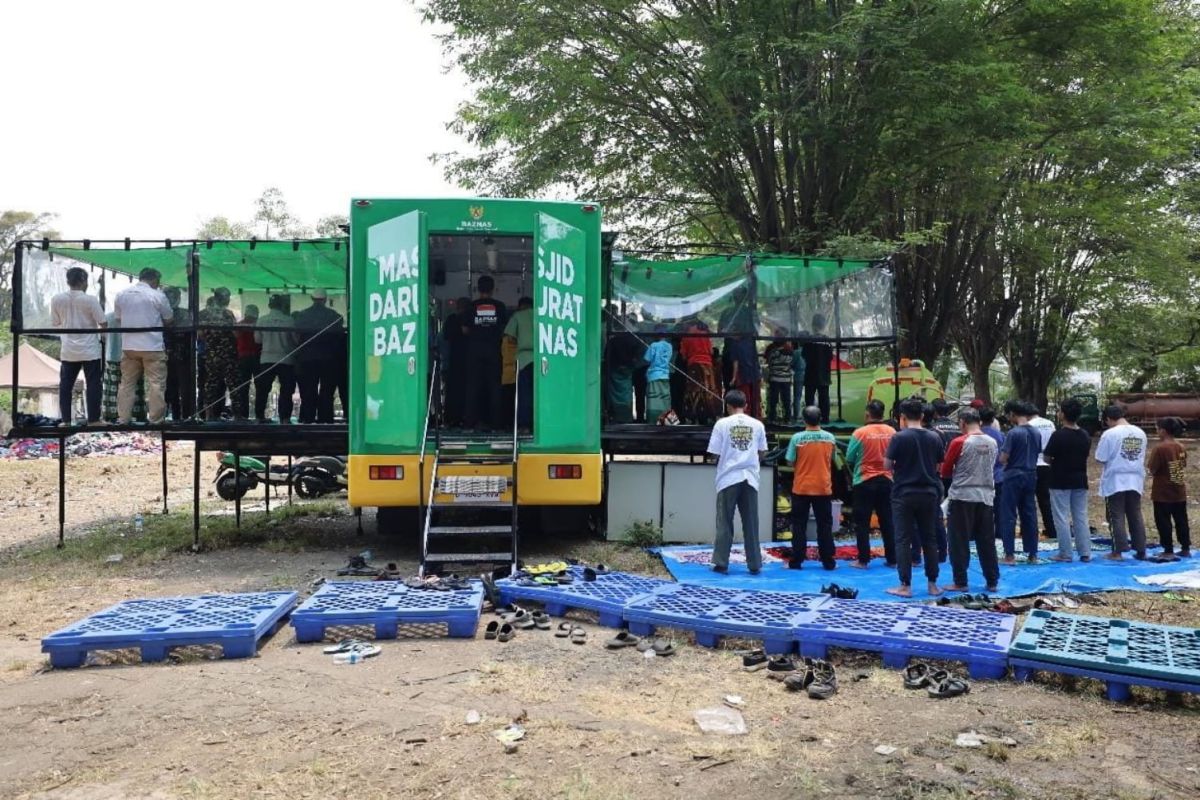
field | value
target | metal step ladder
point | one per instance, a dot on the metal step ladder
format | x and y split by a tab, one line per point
489	533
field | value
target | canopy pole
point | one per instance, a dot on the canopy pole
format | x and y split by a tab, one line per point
895	343
62	489
189	402
17	325
267	486
289	482
837	343
164	470
196	497
237	493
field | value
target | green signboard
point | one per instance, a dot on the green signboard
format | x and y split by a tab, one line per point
394	350
565	375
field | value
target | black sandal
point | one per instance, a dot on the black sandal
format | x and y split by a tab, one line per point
493	628
916	676
950	687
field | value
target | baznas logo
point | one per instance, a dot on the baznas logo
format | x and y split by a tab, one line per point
476	212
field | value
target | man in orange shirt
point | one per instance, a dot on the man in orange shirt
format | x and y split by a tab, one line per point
812	452
872	484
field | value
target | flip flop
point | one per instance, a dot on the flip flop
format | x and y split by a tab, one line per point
589	574
506	633
578	635
663	647
622	639
541	620
916	676
343	646
564	630
492	629
520	619
644	645
950	687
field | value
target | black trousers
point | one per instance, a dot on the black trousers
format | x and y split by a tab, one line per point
973	522
93	375
821	395
822	508
874	496
482	403
639	394
268	374
1043	501
779	394
916	514
318	381
1168	516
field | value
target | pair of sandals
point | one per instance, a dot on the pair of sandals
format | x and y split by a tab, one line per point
840	592
575	633
660	646
501	632
347	646
938	683
525	619
974	602
815	676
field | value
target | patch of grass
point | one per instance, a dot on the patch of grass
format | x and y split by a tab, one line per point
287	528
642	533
580	786
619	556
996	751
16	666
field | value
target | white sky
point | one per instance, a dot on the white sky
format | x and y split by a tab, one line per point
141	119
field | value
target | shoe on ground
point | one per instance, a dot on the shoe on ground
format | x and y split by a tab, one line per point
779	667
824	683
754	661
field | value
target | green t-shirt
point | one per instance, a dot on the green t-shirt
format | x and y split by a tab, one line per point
520	327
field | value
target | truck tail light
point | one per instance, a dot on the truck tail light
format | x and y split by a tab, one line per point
566	471
388	473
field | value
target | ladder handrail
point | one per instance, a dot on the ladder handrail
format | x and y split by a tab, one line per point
422	511
516	445
428	515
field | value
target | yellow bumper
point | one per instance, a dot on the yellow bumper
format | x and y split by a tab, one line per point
535	487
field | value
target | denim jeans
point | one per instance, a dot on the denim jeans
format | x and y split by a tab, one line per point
743	497
1070	519
1019	499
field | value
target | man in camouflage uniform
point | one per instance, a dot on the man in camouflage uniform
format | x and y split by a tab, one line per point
220	352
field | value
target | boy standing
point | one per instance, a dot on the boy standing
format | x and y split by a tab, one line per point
1019	455
1067	454
658	376
968	465
1122	451
811	452
913	456
739	443
779	375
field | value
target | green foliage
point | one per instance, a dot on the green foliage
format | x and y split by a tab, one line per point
642	533
220	227
14	227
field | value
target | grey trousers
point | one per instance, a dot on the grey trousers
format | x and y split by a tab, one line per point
1125	507
743	497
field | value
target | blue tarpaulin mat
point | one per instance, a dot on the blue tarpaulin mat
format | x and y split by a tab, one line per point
690	563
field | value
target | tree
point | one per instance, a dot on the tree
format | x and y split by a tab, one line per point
798	122
220	227
277	219
14	227
330	227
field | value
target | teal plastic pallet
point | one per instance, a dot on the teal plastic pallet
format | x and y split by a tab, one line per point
1114	646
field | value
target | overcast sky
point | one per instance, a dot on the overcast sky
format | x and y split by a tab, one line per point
142	118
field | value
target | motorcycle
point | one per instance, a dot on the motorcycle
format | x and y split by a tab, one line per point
311	476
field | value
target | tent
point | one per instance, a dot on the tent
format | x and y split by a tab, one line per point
38	377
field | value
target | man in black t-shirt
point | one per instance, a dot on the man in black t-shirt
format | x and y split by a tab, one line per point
817	373
1067	454
483	328
913	455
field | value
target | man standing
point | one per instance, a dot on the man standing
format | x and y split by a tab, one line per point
143	306
779	379
181	393
989	425
739	442
321	358
220	353
747	374
913	456
1122	451
872	484
277	342
248	351
483	327
945	427
1019	455
811	453
818	357
519	331
76	309
658	375
968	465
1045	429
1067	454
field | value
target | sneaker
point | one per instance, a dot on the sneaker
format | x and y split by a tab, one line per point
754	661
779	667
824	682
799	680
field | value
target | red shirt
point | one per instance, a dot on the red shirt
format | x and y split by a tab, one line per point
696	350
246	346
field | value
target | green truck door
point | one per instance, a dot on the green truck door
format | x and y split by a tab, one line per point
395	351
563	384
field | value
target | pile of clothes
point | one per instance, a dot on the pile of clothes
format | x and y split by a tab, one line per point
82	444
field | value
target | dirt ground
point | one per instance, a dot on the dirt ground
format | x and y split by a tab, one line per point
600	724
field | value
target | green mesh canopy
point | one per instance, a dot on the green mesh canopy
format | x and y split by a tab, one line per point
250	266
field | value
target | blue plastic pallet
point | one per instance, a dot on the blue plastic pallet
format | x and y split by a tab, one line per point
385	606
713	612
607	595
235	622
1137	650
1116	686
900	632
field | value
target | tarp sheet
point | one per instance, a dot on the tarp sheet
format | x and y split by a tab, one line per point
690	564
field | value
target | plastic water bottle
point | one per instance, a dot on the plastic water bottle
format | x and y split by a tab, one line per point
137	522
353	657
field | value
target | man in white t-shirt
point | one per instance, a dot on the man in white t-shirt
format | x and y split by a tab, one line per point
1122	451
77	310
739	442
1045	429
143	306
